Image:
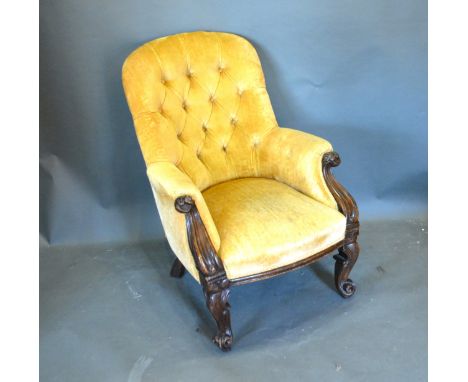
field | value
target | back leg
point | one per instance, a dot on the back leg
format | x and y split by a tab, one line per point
177	270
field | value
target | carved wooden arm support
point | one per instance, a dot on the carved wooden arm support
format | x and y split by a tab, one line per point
211	270
346	203
349	252
207	261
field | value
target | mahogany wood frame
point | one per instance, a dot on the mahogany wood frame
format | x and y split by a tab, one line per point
216	285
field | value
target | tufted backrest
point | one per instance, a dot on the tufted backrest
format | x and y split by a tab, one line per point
198	100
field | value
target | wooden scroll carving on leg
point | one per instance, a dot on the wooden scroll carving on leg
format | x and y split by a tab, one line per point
349	252
210	269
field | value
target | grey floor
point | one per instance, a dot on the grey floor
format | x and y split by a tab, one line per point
113	314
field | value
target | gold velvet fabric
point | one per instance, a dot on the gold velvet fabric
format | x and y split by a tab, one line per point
203	118
265	224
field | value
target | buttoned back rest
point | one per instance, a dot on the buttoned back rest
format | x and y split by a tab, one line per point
199	100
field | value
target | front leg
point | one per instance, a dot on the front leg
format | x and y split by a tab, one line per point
349	252
217	294
210	270
345	261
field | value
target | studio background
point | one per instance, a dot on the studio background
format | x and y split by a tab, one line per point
352	72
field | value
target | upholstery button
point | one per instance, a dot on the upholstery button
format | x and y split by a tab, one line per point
179	134
163	80
233	121
212	98
221	67
198	153
189	73
224	147
184	105
240	91
204	127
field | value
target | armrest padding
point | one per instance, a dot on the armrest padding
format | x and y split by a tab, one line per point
168	183
295	158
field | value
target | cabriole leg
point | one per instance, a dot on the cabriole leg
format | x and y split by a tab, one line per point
217	294
345	261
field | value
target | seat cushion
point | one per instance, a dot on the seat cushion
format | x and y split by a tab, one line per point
264	224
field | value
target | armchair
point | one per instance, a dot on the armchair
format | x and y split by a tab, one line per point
240	198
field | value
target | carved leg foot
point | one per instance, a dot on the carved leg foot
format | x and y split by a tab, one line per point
345	261
217	294
177	270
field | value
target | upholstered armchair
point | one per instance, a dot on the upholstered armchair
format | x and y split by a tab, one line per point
240	198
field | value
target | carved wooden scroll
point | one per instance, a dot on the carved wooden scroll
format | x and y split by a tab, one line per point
349	252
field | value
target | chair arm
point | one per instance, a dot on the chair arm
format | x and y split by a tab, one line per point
295	158
169	185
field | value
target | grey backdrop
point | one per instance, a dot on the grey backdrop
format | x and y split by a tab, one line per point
351	71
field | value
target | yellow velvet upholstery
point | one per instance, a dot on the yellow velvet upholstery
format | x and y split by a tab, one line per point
203	116
168	183
264	224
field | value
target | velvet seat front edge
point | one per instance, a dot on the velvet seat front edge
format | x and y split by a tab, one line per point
237	194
